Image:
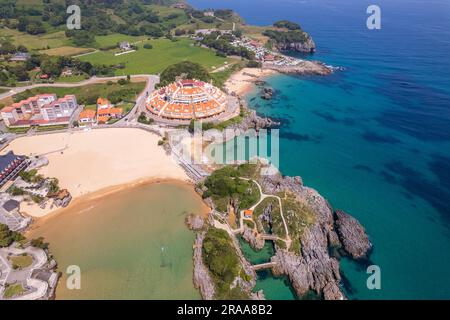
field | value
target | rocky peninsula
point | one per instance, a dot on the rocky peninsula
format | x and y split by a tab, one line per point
310	266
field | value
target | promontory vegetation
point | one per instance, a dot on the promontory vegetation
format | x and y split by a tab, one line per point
188	69
225	187
220	257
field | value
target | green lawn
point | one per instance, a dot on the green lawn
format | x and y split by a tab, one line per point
71	79
88	94
113	39
13	290
21	262
163	54
51	128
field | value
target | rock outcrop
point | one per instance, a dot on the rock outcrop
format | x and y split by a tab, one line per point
313	269
307	46
202	278
194	222
352	235
250	236
305	67
253	121
267	93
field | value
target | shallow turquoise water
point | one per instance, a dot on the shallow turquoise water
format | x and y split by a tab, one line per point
374	139
275	288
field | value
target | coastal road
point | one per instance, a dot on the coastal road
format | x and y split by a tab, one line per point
93	80
139	107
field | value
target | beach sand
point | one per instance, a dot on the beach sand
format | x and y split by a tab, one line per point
242	81
86	162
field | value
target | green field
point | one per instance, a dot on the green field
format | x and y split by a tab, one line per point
88	94
115	38
71	79
34	42
163	54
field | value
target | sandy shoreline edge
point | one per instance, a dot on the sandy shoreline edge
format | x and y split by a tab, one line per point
243	81
98	161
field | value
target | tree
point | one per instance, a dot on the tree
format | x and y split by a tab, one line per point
189	69
7	237
51	67
148	46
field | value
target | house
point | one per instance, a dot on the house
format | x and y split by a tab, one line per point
44	76
102	119
269	57
103	104
104	115
87	117
180	5
10	166
67	72
124	45
20	56
255	44
248	214
208	13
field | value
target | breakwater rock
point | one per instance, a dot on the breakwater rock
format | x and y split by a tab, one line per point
305	67
352	235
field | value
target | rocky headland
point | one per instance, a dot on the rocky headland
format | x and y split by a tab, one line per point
312	268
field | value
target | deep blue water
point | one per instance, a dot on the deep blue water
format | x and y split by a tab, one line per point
374	139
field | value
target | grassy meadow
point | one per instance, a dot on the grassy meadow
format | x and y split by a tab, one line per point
163	54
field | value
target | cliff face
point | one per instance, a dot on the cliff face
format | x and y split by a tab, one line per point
202	278
313	269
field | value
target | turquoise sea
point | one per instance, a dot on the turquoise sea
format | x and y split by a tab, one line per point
374	139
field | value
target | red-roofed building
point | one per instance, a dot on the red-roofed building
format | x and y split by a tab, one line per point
43	109
87	117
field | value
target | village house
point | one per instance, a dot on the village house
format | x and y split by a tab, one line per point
248	214
87	117
103	104
105	111
20	56
124	46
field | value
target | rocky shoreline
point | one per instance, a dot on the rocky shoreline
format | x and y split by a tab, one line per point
313	269
304	68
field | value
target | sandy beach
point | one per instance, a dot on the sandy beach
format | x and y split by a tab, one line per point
105	160
242	81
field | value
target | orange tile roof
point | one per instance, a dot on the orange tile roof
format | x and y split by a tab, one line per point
248	212
102	119
102	101
110	111
87	114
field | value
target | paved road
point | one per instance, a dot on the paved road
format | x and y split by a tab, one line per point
139	107
263	196
16	90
